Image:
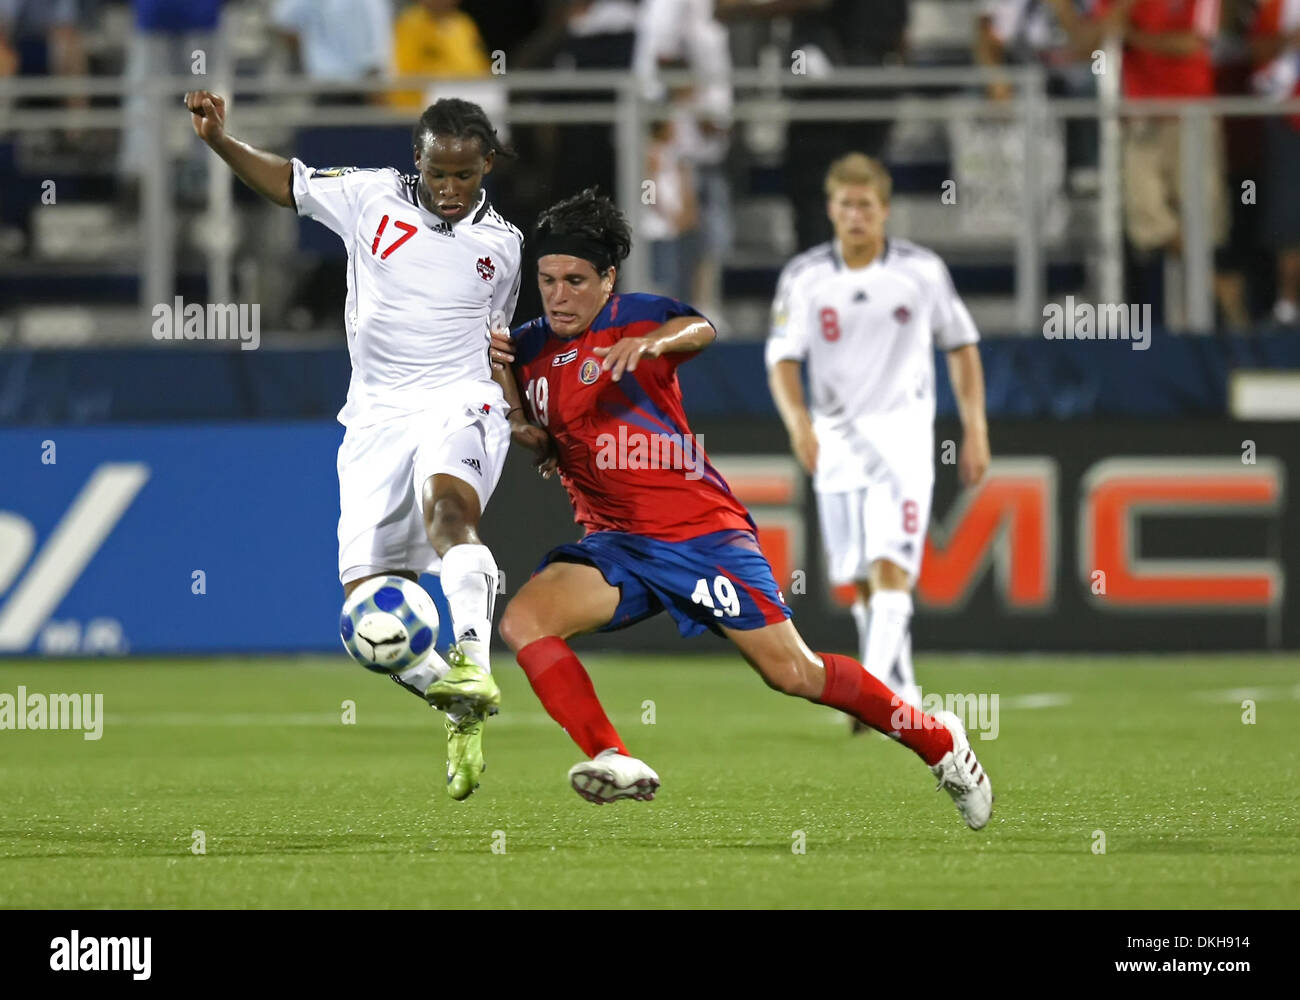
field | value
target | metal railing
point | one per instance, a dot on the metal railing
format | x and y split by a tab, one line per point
761	95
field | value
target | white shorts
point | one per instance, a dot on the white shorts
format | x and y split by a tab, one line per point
886	520
382	471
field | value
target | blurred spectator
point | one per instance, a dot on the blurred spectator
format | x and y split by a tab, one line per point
338	40
1275	44
1023	31
42	37
1019	32
1243	139
171	38
582	34
333	41
586	34
671	217
829	34
507	34
1167	54
684	34
434	38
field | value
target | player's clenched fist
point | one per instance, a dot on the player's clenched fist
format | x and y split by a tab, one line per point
502	348
208	114
537	440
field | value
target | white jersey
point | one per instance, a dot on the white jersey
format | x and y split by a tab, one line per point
868	336
421	292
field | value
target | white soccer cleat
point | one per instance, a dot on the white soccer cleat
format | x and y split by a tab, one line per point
962	775
610	775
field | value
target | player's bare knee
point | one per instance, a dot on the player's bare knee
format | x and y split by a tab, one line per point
786	674
448	523
518	627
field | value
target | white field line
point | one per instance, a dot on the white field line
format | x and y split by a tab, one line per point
1043	699
364	719
1266	692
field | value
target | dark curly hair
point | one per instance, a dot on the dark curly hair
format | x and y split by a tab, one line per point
461	119
591	217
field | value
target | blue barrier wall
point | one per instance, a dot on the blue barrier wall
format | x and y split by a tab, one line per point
1177	376
98	549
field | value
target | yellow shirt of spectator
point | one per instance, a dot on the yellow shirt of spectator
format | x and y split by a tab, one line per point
441	44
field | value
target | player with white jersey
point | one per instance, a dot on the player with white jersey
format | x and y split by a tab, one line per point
431	267
865	313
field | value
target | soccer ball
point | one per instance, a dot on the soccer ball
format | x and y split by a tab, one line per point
389	624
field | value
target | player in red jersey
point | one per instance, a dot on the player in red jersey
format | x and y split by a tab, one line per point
663	530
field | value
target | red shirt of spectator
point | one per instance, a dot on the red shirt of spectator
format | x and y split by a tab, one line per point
1280	77
1153	74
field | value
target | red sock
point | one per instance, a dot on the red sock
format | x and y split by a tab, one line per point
851	689
565	691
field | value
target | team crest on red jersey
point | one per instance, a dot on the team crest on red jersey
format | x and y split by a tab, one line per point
589	372
486	269
902	314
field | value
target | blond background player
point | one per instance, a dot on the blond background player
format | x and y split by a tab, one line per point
864	313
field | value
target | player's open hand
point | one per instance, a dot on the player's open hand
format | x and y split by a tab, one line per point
501	351
624	355
207	114
973	460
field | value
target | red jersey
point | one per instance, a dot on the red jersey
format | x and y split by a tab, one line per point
1280	77
1150	74
627	456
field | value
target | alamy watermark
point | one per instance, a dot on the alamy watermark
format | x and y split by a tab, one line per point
1105	321
651	451
53	711
178	320
76	953
978	712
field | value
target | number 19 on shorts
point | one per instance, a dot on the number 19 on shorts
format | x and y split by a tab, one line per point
722	601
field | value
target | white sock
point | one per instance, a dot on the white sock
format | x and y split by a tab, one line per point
469	579
862	619
903	677
419	676
890	611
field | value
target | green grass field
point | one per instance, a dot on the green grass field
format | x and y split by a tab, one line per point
298	809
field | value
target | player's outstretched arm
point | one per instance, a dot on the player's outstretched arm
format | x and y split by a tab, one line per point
269	175
967	376
785	379
682	333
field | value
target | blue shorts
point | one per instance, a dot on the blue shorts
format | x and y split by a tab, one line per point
718	579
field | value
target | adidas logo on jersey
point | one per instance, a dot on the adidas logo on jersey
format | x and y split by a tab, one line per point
444	229
473	463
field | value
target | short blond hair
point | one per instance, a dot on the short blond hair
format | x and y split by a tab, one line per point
858	168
